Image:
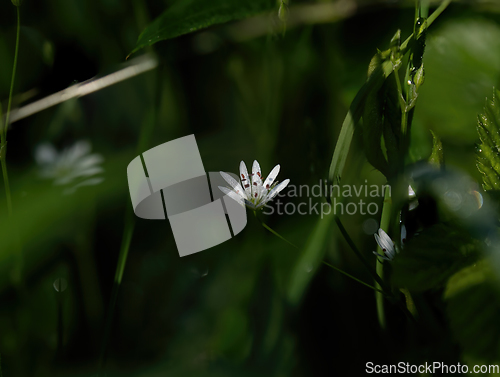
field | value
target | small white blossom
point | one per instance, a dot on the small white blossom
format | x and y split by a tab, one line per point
403	235
252	192
73	166
387	245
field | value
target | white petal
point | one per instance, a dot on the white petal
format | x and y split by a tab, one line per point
384	241
232	195
45	154
413	204
88	161
88	182
269	180
381	256
70	176
76	151
234	184
411	192
276	190
245	179
256	179
250	204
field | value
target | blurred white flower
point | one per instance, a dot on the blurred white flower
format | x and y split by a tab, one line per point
75	166
252	192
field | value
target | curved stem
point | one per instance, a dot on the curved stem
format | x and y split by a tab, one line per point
353	278
3	127
277	234
13	72
437	12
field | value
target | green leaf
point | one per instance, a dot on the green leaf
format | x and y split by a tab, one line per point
488	152
462	72
186	16
430	258
379	69
381	128
473	309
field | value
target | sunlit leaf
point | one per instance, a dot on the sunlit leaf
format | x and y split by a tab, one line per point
436	158
488	152
379	70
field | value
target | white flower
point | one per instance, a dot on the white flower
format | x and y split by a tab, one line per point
74	165
386	244
252	192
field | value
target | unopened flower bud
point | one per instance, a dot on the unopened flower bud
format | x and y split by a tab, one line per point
419	77
283	11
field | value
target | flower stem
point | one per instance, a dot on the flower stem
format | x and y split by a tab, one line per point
145	134
354	278
277	234
384	225
13	72
5	177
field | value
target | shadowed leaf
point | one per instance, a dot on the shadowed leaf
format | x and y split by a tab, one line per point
430	258
184	17
473	309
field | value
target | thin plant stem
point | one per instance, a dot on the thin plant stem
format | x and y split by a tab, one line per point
13	71
278	235
1	374
354	278
122	260
437	12
3	127
384	224
145	135
407	43
352	245
424	8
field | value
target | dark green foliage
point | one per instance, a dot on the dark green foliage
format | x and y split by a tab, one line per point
186	16
473	307
429	259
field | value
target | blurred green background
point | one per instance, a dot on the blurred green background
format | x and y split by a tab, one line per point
253	306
